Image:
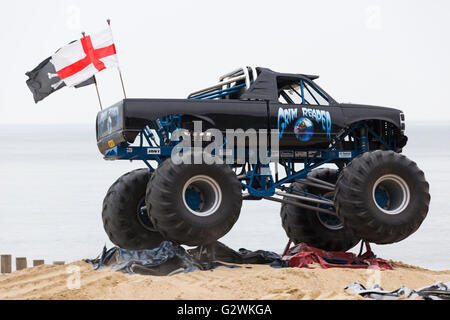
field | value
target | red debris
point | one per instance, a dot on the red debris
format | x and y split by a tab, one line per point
302	256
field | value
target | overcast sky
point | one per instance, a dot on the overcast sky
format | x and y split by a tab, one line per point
388	53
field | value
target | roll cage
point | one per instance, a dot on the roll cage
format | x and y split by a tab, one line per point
242	84
229	84
301	91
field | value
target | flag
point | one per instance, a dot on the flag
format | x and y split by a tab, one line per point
80	60
73	65
43	80
40	81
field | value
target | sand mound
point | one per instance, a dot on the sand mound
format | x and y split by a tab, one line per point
79	281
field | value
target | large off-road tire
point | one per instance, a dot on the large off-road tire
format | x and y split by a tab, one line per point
125	219
382	196
318	230
193	204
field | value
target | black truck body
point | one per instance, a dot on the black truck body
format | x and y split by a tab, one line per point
258	108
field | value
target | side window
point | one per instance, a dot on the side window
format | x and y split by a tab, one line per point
300	91
313	96
282	99
290	95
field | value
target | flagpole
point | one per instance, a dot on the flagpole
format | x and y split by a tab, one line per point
95	82
118	68
121	80
98	94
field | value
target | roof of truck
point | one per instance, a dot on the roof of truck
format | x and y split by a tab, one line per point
249	83
262	87
282	74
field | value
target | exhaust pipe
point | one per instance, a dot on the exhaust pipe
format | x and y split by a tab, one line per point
301	205
304	198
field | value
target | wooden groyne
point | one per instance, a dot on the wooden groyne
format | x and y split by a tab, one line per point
21	263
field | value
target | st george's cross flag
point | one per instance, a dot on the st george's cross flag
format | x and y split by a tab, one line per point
81	59
74	64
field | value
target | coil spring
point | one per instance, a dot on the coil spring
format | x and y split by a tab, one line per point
364	144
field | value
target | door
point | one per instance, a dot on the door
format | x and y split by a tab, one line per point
304	116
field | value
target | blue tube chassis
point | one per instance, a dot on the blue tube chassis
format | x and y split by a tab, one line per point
257	184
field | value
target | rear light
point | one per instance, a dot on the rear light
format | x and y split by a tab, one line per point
108	122
402	122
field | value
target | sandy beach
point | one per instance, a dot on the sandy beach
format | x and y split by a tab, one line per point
78	280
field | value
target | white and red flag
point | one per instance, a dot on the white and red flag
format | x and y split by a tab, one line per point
81	59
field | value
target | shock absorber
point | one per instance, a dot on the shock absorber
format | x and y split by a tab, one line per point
162	131
364	140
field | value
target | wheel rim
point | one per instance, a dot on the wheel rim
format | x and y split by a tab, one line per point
327	220
391	194
202	195
142	215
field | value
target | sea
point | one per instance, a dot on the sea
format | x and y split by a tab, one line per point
53	180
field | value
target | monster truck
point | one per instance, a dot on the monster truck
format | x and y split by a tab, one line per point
342	176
